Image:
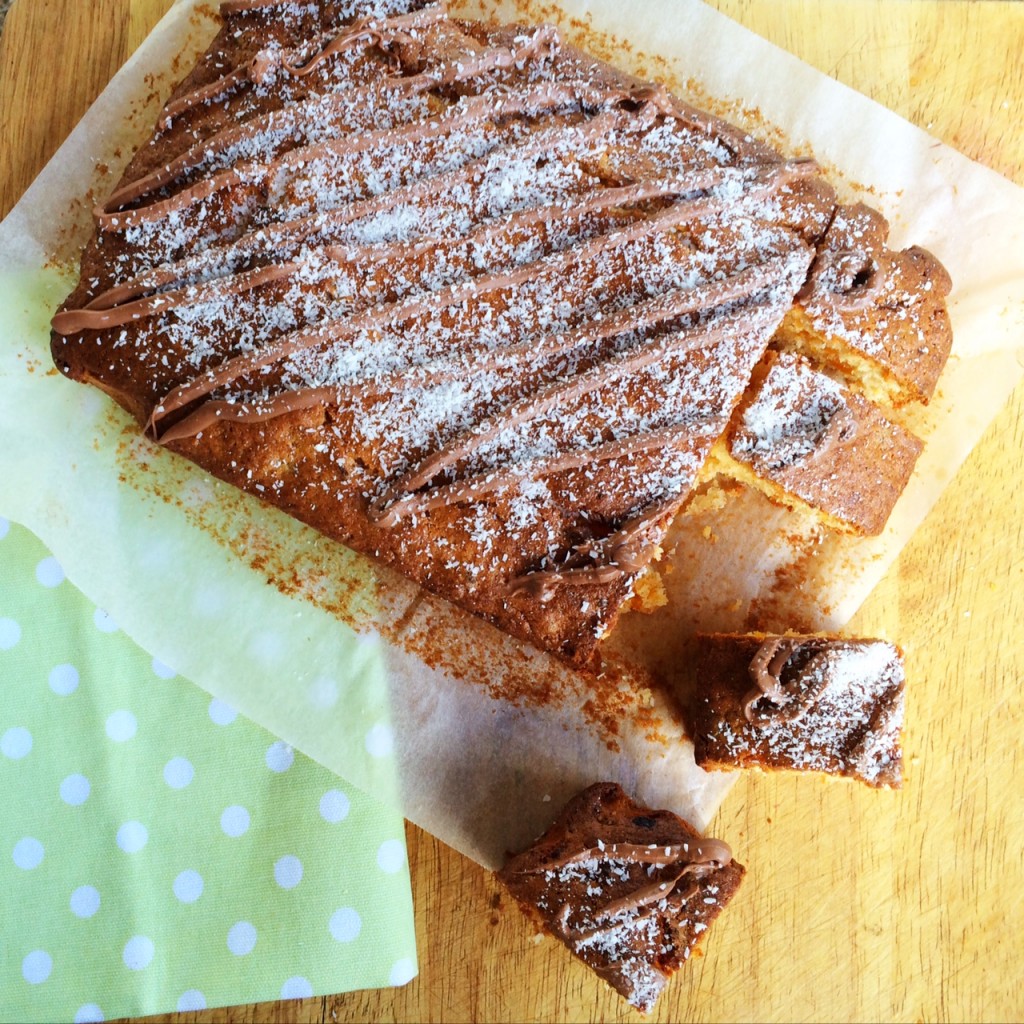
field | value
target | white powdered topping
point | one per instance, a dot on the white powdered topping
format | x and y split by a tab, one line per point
860	678
861	295
511	179
543	305
590	906
294	11
313	120
395	224
894	308
670	140
789	415
866	665
426	258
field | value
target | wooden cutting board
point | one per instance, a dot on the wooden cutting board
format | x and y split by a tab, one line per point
858	905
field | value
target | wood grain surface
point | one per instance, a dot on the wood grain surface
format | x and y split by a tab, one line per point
858	905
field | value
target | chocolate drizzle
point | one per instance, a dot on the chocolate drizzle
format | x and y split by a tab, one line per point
275	176
840	428
819	703
400	498
531	247
667	866
850	270
309	124
298	62
705	853
789	675
872	754
852	278
622	553
456	295
160	292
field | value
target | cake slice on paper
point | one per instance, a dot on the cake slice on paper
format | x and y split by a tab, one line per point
805	703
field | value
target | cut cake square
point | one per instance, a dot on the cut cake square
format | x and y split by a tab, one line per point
629	890
805	703
805	439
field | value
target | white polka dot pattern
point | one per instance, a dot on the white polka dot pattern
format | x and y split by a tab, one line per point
64	679
323	693
138	953
188	886
161	670
296	988
279	757
191	1000
222	713
234	822
391	856
85	901
402	971
379	740
75	790
242	938
193	830
334	806
178	772
49	573
122	726
10	633
288	871
132	836
36	967
104	622
346	924
16	743
28	853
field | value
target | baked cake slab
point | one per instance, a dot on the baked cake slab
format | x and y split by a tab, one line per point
456	295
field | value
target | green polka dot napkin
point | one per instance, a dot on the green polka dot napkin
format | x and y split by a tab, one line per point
158	851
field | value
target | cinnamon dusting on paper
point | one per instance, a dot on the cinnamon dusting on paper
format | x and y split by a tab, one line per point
449	640
363	596
322	572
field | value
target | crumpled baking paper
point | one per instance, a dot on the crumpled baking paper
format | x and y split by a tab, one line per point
183	562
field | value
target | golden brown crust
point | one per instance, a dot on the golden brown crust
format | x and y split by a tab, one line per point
814	440
878	312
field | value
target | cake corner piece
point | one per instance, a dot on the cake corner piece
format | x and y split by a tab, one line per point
878	313
630	891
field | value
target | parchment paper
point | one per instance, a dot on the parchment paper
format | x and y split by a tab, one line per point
182	562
